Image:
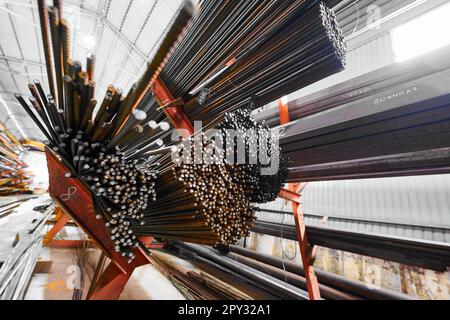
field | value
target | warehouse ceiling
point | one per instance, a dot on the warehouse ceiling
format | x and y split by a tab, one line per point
123	33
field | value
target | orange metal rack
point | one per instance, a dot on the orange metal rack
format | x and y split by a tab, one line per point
76	201
174	113
293	194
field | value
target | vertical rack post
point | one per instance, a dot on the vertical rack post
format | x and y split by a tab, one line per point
292	194
174	113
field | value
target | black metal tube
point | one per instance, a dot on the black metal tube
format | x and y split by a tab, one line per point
278	287
329	279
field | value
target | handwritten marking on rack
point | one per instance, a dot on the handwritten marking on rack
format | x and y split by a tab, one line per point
71	191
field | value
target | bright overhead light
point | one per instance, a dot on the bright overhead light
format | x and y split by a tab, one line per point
10	114
423	34
88	41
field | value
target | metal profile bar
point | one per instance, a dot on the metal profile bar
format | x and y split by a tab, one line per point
258	278
419	253
328	279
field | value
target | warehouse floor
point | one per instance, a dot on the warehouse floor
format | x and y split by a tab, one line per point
55	272
54	283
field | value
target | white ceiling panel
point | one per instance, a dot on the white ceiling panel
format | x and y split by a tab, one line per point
118	12
136	19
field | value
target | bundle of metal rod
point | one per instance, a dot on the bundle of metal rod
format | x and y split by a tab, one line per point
204	195
198	203
404	132
122	191
121	188
92	144
13	181
234	53
327	280
276	287
260	152
195	284
70	108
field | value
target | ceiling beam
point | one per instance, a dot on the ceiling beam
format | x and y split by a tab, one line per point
133	45
125	39
17	60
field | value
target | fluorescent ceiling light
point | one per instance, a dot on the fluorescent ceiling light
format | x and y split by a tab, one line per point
423	34
88	41
10	114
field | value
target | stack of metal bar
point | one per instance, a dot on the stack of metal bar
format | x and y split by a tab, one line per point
198	203
195	284
392	122
332	286
281	278
356	89
259	50
18	268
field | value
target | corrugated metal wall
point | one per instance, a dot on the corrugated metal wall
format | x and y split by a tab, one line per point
421	201
413	207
